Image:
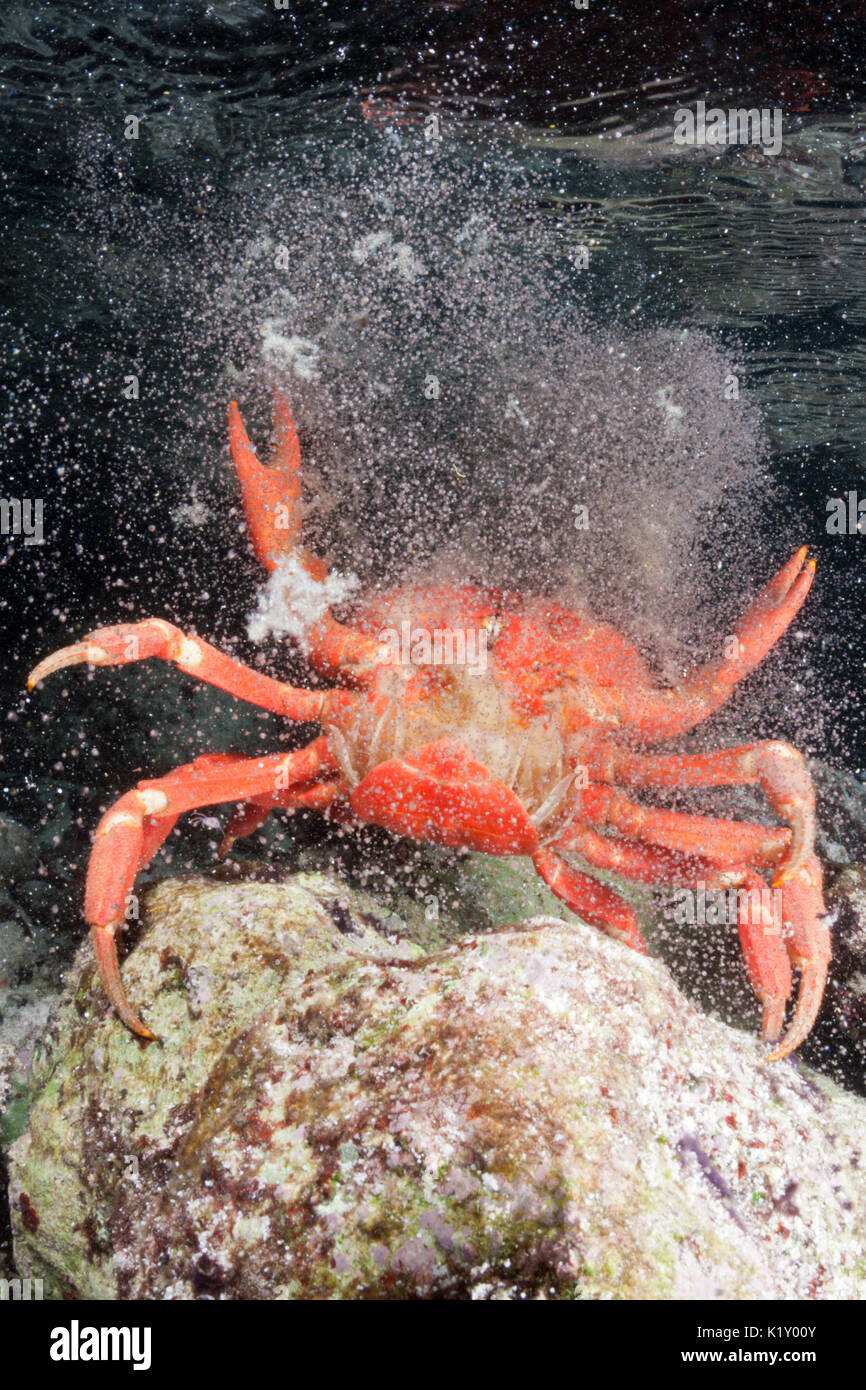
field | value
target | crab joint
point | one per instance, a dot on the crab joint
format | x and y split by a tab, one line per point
149	802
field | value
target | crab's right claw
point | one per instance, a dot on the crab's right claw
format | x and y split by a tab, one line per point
772	946
808	945
770	614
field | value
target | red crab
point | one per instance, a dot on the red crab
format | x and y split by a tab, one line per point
529	755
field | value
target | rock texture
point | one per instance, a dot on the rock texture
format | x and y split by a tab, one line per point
844	1012
337	1110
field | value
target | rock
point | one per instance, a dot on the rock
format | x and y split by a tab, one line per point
18	857
23	1033
28	990
7	1063
16	951
335	1112
841	812
838	1041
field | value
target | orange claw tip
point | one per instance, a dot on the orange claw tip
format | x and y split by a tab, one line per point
237	428
774	1019
788	1045
808	1003
39	673
45	668
67	656
141	1030
106	958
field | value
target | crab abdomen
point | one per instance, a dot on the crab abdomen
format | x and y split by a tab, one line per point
519	685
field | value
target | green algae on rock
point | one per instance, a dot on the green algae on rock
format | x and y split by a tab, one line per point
334	1112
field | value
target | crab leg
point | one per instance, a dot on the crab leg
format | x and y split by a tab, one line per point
134	827
760	936
128	642
599	905
247	817
658	714
809	949
769	948
723	841
777	768
645	863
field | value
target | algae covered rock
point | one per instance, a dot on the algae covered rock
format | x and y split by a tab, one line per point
842	1027
336	1112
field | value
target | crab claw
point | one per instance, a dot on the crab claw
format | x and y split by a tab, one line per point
67	656
271	495
808	946
119	646
440	793
773	941
106	958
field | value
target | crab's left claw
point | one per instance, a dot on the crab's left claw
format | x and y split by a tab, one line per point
271	495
